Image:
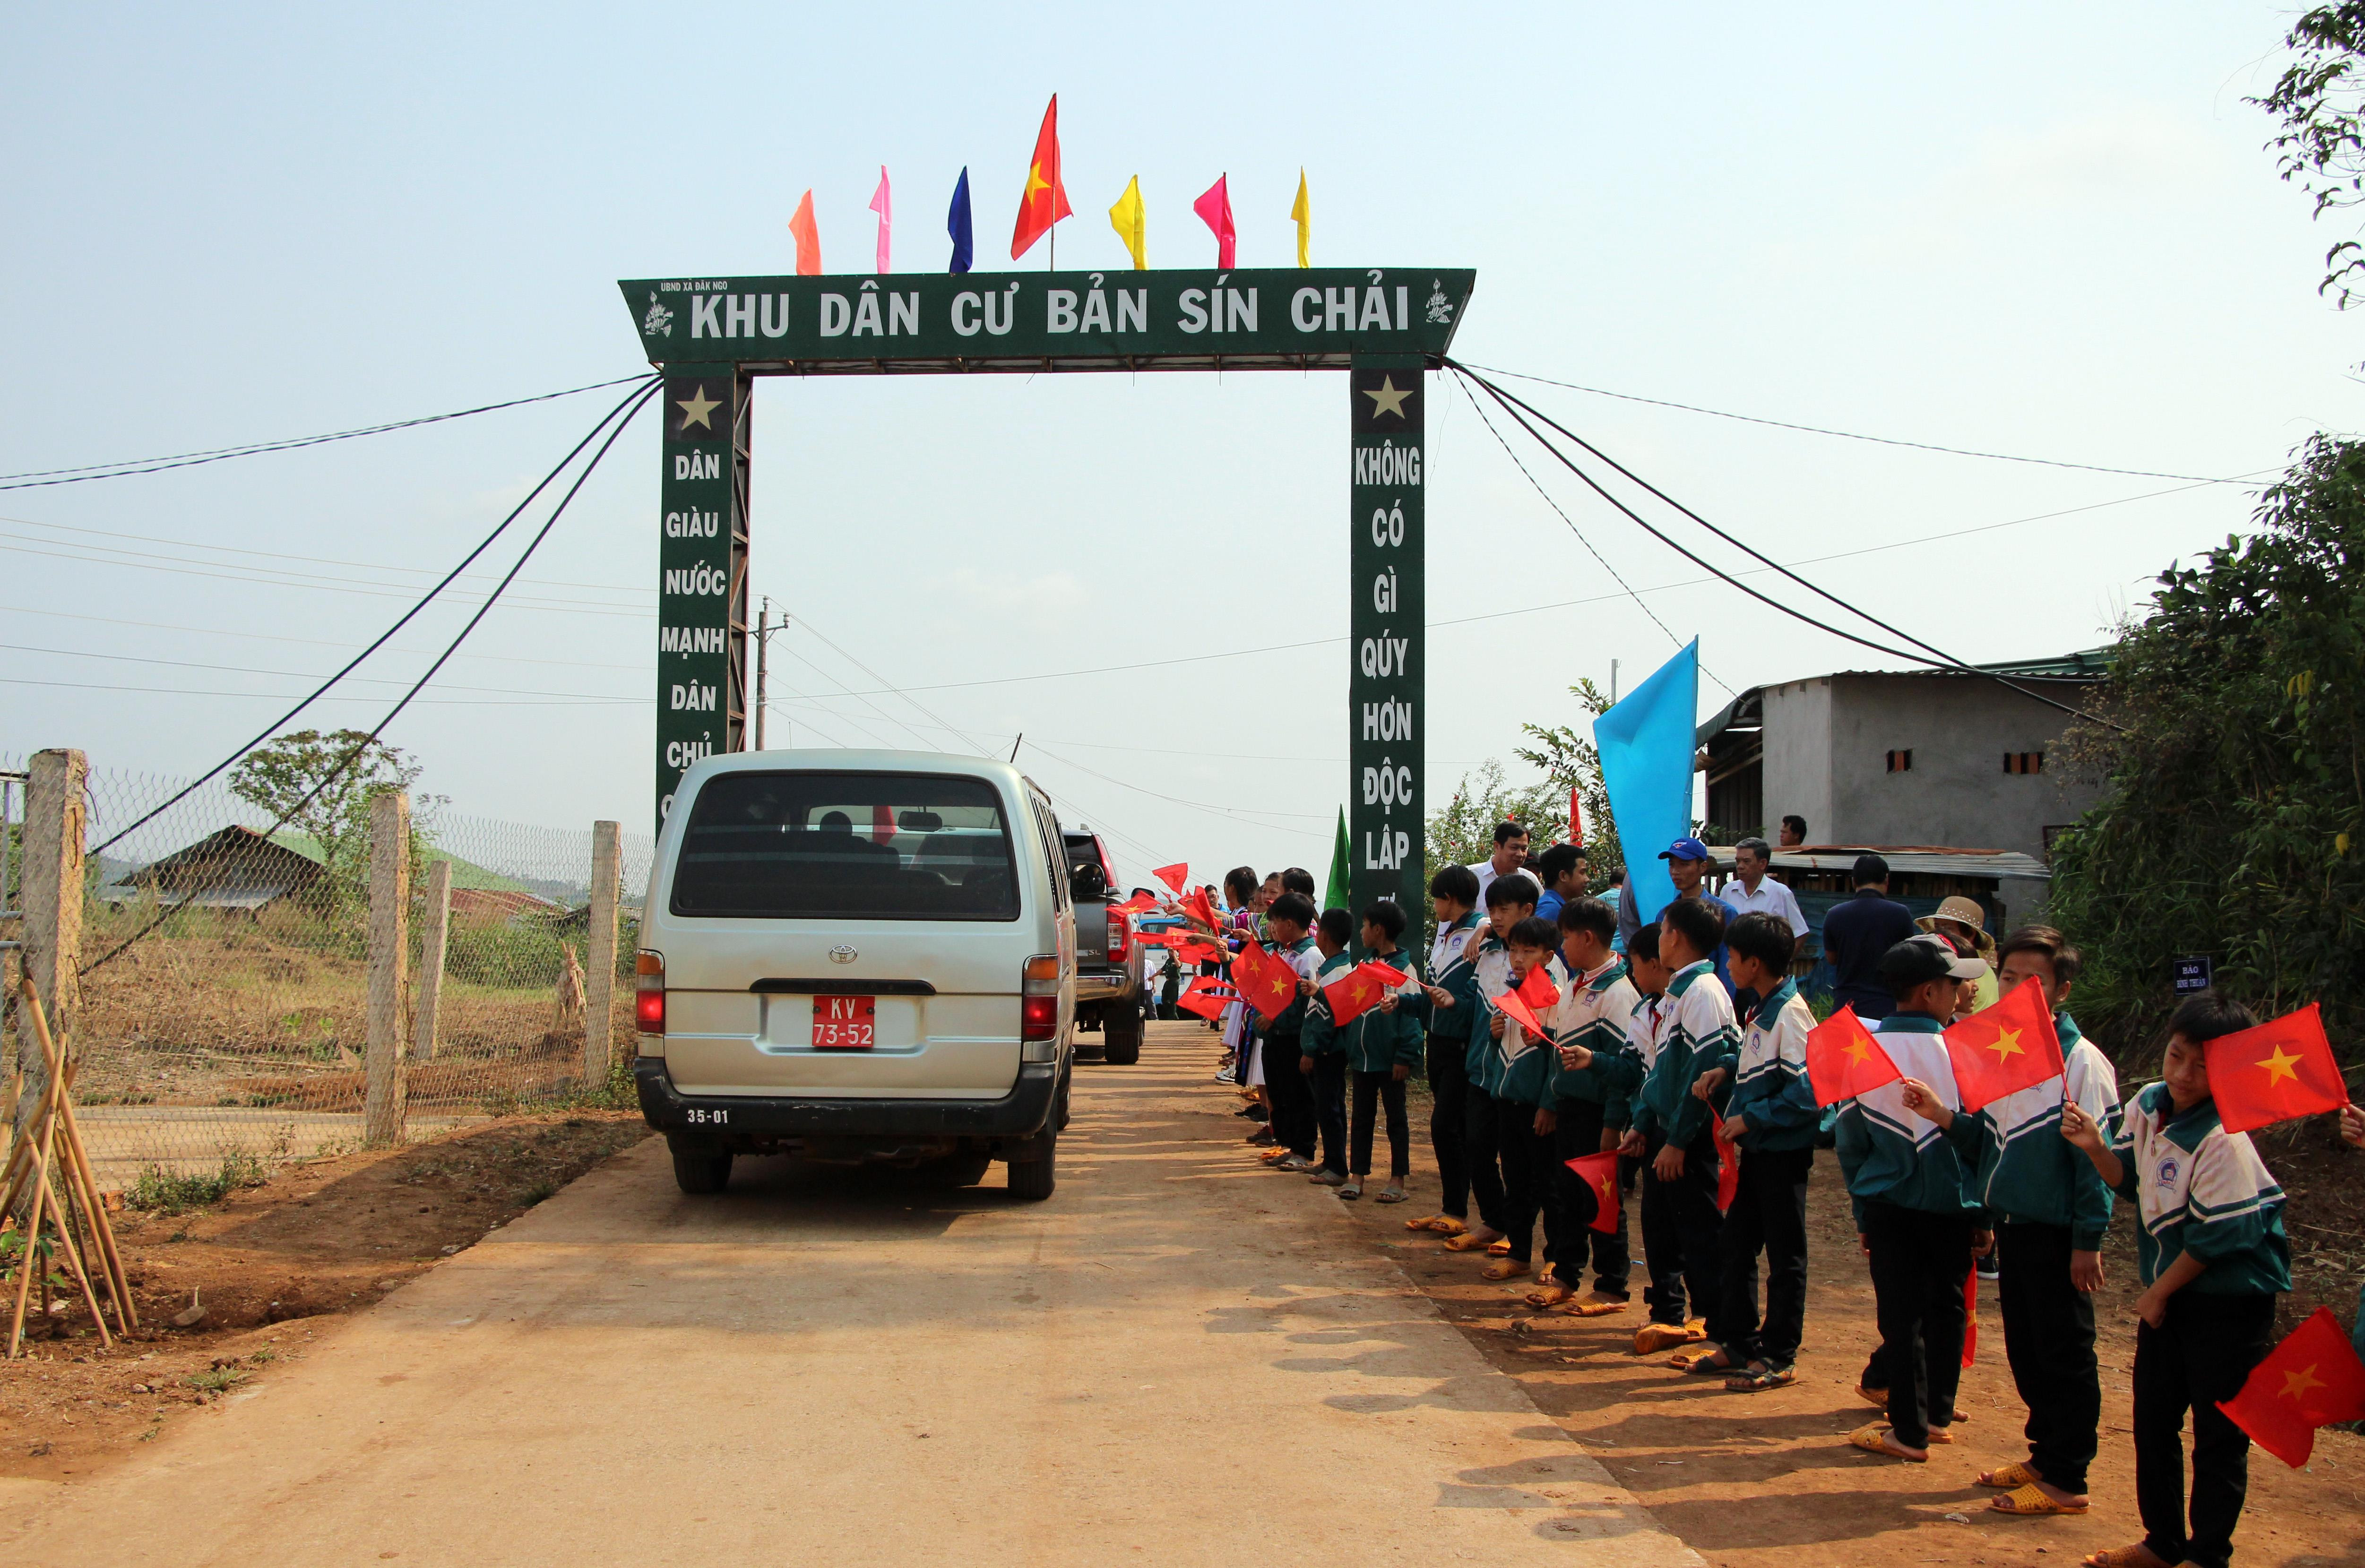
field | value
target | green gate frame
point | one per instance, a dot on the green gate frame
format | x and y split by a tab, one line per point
1384	326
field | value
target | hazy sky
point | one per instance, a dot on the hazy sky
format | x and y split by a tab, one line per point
2036	229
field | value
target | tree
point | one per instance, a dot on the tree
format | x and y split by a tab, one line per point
323	784
2321	148
2235	821
1569	762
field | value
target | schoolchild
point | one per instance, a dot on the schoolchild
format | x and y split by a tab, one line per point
1518	1069
1384	1046
1673	1133
2211	1255
1453	899
1287	925
1916	1211
1771	1122
1322	1046
1596	1074
1509	900
2052	1208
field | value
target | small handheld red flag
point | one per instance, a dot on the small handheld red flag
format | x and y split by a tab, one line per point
1576	820
2002	1050
1194	904
1971	1312
2277	1072
1353	994
1728	1167
1045	201
1599	1172
1267	984
2313	1379
1140	903
1509	1004
1389	973
1207	998
1843	1060
1201	949
1174	876
1538	990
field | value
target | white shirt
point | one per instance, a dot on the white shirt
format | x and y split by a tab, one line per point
1771	898
1485	872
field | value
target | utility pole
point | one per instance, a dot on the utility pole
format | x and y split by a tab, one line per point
764	630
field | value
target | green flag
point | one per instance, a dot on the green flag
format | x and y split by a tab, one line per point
1336	895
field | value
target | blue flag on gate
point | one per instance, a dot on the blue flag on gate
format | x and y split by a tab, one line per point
956	225
1646	744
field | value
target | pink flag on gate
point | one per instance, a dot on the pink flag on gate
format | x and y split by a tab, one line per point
1214	209
883	202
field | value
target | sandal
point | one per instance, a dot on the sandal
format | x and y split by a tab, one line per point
1548	1294
1701	1361
1354	1189
1499	1248
1875	1438
1872	1396
1759	1377
1469	1241
2031	1500
1503	1269
1443	1224
1594	1306
1393	1192
2009	1477
2135	1556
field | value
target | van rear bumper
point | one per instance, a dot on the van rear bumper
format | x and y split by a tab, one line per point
1021	1112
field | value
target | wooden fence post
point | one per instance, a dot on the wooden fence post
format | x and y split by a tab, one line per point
52	846
383	1095
432	943
600	984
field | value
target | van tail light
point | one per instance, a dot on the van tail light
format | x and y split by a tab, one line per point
1038	1002
648	992
1120	936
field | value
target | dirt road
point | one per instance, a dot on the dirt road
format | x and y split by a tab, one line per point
1170	1361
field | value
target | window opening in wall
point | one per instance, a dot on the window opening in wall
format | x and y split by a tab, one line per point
2024	762
1901	761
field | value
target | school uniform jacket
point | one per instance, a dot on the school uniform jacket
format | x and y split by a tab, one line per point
1301	956
1696	1034
1645	1027
2201	1190
1771	1092
1321	1036
1489	971
1888	1154
1523	1063
1374	1041
1446	968
2024	1169
1595	1012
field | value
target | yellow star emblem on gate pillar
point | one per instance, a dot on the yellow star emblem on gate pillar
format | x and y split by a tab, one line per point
1387	398
698	409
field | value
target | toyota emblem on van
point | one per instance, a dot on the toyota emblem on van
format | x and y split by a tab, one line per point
842	954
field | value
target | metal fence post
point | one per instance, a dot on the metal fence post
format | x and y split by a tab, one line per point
389	951
600	985
52	845
432	943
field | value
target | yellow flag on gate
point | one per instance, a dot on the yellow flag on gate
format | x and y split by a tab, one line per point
1302	210
1130	223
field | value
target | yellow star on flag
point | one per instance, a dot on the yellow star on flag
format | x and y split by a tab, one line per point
1035	181
698	409
1859	1051
1387	398
2007	1044
2279	1067
1602	1187
2299	1383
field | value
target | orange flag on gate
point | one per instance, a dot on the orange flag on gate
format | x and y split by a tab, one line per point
1046	198
2277	1072
1354	994
1267	984
2313	1379
1843	1060
1599	1172
2004	1048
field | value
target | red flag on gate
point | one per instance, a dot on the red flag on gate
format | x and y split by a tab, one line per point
1538	990
2003	1048
2277	1072
1599	1172
1174	876
2313	1379
1843	1060
1046	198
1266	983
1354	994
1509	1004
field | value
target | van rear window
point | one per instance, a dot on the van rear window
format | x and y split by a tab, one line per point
846	847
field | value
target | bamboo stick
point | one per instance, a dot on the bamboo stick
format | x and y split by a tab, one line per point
32	1240
78	1169
80	1274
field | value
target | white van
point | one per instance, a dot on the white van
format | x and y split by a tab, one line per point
858	957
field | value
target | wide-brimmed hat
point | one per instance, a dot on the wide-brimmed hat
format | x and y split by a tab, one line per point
1963	912
1920	958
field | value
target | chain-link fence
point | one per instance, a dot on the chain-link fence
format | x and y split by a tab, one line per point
233	1033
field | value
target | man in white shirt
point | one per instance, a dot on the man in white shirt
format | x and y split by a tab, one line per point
1751	891
1510	855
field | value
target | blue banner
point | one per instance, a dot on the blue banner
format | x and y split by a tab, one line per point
1646	744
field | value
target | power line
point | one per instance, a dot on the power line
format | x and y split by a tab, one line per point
1852	435
41	477
645	385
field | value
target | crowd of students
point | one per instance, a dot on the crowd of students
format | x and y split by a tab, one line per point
1642	1058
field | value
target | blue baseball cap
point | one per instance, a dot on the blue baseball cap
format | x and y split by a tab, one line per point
1684	849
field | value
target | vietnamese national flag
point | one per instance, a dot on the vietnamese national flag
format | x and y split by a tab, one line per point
1194	904
1843	1060
1207	998
1200	949
1538	990
2313	1379
1389	973
1046	201
1599	1172
1728	1167
1509	1004
1971	1316
1266	983
2005	1048
2277	1072
1140	903
1174	876
1353	994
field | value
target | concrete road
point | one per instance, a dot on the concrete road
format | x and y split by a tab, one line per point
1179	1360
